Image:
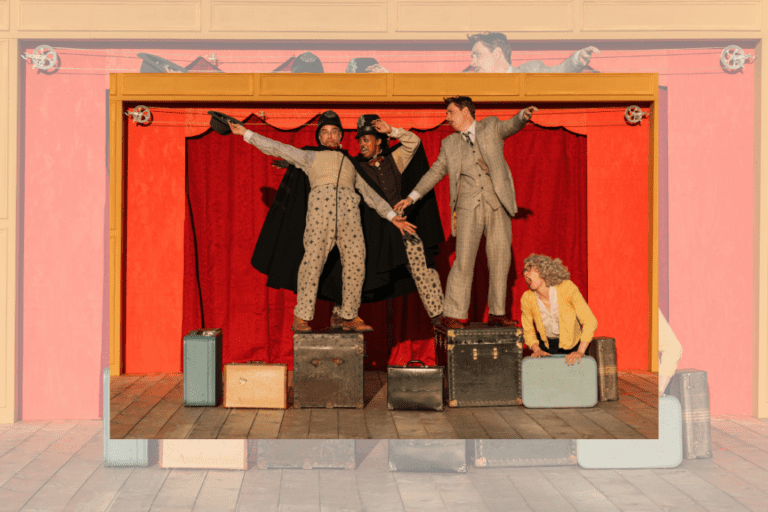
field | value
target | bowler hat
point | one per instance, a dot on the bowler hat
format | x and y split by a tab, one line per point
359	65
365	126
328	117
307	62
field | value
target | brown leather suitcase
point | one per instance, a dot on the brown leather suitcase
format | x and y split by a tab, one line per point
603	350
256	385
328	369
415	387
692	390
432	455
482	364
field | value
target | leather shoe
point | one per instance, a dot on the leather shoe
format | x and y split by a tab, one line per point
451	323
501	321
300	325
336	321
356	325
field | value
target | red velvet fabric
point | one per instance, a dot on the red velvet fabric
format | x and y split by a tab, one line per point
231	185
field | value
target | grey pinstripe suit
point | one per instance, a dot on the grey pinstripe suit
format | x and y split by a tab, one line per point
483	202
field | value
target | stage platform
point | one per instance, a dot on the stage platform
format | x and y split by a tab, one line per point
151	406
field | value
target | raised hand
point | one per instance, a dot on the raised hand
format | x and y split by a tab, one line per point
237	129
382	126
528	112
402	225
586	54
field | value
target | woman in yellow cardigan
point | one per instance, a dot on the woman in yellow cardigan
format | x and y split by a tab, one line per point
554	307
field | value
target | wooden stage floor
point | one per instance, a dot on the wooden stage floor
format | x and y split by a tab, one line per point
151	406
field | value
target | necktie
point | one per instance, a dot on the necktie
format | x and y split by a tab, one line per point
467	136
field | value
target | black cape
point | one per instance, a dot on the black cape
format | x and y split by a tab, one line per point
280	247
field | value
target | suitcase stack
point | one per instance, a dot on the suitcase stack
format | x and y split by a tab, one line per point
202	367
432	455
415	387
550	382
482	364
603	350
691	388
256	385
306	454
506	453
328	369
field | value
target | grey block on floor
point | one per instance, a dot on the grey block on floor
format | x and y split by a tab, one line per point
430	455
125	452
664	452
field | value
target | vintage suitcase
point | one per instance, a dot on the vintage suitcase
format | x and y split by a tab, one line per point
432	455
691	388
550	382
415	387
256	385
328	369
603	350
202	367
125	452
507	453
664	452
482	364
204	453
306	454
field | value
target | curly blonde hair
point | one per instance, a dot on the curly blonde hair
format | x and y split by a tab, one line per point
553	272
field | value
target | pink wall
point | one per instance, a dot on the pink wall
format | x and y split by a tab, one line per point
65	193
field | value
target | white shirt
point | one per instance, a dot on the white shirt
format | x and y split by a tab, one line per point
471	132
551	318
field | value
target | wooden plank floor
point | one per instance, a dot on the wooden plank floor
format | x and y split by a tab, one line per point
57	466
151	406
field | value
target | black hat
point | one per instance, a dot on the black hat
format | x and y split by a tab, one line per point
360	65
365	126
219	122
307	62
154	64
328	117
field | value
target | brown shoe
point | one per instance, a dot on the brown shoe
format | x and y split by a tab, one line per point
336	321
500	321
300	325
452	323
356	325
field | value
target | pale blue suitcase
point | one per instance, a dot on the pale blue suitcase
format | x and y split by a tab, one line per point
664	452
125	452
548	382
203	383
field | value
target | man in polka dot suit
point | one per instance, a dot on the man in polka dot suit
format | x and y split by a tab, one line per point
383	169
333	218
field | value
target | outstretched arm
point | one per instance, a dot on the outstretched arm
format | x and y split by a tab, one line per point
298	157
516	123
381	206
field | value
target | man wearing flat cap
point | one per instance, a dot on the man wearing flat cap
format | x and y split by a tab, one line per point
332	218
392	173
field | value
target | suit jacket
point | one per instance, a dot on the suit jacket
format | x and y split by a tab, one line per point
569	65
490	134
573	310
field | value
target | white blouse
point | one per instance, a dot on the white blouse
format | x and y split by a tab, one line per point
551	318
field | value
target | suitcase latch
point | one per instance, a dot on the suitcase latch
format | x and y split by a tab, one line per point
495	352
474	354
315	362
339	361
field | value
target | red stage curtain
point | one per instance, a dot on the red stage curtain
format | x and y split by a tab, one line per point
231	185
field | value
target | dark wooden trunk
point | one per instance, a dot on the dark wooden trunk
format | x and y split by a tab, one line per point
328	369
507	453
482	364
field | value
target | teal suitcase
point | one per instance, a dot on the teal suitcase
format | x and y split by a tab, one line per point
549	382
664	452
125	452
203	383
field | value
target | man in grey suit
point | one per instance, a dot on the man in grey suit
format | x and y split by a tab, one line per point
492	53
482	202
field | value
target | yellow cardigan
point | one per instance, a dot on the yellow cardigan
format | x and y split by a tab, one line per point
571	306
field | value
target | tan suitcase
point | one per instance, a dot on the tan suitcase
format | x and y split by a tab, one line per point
256	385
204	453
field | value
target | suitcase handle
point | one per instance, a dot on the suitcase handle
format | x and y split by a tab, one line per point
414	361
